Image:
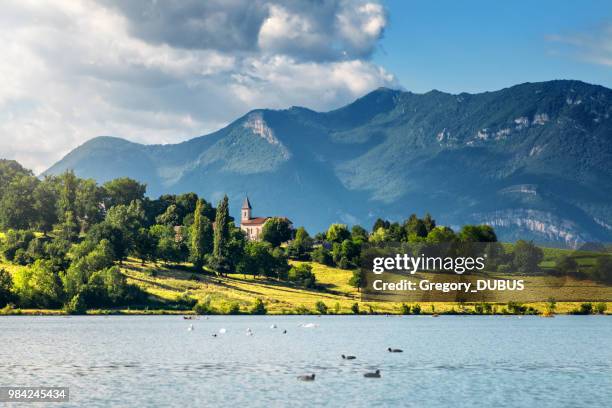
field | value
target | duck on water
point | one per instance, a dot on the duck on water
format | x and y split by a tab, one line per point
375	374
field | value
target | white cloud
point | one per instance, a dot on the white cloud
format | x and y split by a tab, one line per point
161	72
594	46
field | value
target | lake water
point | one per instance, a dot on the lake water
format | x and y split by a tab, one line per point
450	361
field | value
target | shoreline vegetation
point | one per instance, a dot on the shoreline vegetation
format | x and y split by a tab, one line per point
179	289
71	246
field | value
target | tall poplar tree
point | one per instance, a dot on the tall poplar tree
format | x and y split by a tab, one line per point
222	237
201	237
221	228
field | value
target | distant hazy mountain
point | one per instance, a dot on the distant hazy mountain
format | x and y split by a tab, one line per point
534	160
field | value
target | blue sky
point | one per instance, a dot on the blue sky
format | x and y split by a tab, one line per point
475	46
167	71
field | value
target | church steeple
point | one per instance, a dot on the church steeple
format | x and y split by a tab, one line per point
246	209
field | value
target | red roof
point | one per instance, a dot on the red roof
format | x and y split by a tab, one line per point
255	221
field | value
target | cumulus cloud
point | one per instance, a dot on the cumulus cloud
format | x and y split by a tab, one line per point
162	72
594	46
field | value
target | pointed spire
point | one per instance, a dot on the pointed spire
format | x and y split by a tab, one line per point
246	205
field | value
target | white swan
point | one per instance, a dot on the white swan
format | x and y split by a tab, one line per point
222	331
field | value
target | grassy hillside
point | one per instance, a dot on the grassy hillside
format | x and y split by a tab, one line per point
168	285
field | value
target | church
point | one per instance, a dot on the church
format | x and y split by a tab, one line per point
252	226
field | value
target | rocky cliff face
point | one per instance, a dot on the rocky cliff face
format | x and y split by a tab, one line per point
533	160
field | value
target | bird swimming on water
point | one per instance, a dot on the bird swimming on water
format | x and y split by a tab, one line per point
307	377
375	374
392	350
348	357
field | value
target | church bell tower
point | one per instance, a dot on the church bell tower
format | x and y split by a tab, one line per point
246	209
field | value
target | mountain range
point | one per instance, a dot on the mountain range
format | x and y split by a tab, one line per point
533	160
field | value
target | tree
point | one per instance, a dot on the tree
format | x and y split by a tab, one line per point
357	280
338	233
301	245
439	235
259	308
302	275
17	204
6	288
322	256
167	247
380	223
14	242
68	229
477	233
359	234
129	219
276	230
527	256
122	191
170	217
379	236
566	265
415	227
88	203
45	203
221	237
321	307
87	258
429	222
114	235
602	271
67	186
144	246
201	237
38	286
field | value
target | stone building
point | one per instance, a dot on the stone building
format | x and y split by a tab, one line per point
252	226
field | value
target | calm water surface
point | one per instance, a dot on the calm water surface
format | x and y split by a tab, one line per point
451	361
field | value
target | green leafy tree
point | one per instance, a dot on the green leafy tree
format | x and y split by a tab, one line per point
170	217
17	204
129	219
322	256
359	234
201	237
380	223
45	203
167	247
357	280
88	203
321	307
302	275
276	230
38	286
67	184
68	230
439	235
221	237
602	271
16	241
477	233
87	258
566	265
123	191
301	245
338	233
259	308
6	288
527	256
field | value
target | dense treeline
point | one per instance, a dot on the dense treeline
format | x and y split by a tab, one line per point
73	235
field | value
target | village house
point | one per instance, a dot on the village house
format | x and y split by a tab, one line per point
252	226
